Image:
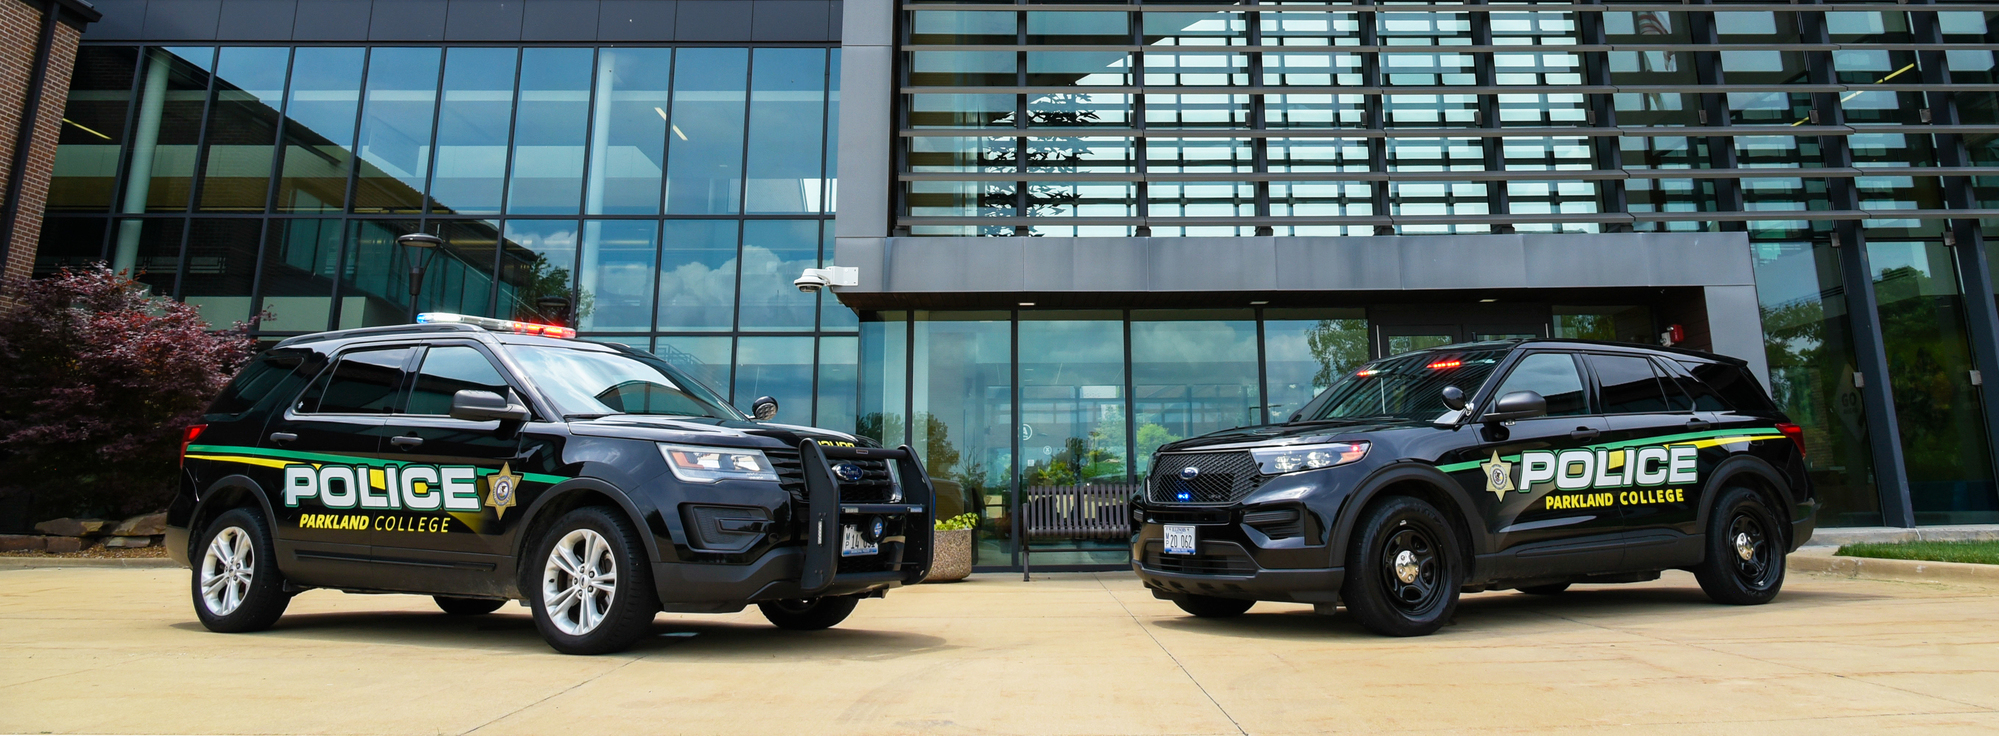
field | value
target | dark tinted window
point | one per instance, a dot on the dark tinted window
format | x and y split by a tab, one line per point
256	381
1676	398
363	382
448	370
1703	398
1554	377
1628	383
1408	386
1735	384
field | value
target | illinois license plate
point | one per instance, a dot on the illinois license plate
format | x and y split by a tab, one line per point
852	544
1179	539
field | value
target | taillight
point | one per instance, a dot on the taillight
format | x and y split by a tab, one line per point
1797	435
187	438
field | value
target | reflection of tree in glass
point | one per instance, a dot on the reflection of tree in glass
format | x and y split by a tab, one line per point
1926	359
1151	437
1045	155
883	428
1338	345
545	279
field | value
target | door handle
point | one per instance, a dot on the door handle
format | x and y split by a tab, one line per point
282	437
406	442
1698	424
1584	433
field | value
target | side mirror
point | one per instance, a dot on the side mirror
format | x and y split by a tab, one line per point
763	408
1517	405
486	406
1454	398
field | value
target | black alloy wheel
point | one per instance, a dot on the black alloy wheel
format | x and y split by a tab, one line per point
809	614
467	606
1549	589
1745	550
1404	571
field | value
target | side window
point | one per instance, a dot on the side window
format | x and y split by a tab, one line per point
1704	398
1676	398
1554	377
257	380
448	370
362	382
1735	384
1628	383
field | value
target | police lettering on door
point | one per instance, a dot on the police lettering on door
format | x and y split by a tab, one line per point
1651	467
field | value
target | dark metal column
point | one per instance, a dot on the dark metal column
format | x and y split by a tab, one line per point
1490	147
1884	433
1374	113
1606	155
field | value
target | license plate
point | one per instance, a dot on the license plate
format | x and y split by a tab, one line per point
852	544
1179	539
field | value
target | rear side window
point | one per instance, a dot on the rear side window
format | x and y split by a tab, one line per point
1735	384
258	378
448	370
1704	398
1629	386
363	382
1554	377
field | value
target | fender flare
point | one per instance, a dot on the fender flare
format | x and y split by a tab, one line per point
1737	466
535	511
206	502
1381	479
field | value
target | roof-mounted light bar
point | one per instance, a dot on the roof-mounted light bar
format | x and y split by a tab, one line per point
498	325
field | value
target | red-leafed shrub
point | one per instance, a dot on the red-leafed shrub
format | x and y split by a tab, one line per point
98	381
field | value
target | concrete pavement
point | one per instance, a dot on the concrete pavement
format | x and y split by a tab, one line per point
119	651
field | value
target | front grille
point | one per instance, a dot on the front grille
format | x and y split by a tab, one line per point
1229	562
877	484
1225	477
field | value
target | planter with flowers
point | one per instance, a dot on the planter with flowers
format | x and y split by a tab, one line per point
951	558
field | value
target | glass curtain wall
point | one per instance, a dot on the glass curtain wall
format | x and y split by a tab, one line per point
611	189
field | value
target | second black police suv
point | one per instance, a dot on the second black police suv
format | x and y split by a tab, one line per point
1520	464
479	460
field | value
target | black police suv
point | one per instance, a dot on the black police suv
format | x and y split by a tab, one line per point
479	460
1522	464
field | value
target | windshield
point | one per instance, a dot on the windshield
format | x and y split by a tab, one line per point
590	383
1406	386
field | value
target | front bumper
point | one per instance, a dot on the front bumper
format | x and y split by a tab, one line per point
1234	559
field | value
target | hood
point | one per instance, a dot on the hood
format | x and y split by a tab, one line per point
709	431
1289	434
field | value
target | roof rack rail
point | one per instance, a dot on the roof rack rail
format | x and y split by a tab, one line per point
385	330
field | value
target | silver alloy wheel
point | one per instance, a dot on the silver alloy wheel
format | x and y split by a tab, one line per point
226	570
578	582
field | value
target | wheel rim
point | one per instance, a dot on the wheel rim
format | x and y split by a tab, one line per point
226	571
796	605
1751	548
1411	570
579	581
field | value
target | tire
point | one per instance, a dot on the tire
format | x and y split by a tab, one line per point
467	606
1208	606
1549	589
809	614
1745	550
594	594
236	584
1403	570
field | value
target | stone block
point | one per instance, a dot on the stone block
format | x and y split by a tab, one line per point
72	527
149	525
20	542
127	542
64	545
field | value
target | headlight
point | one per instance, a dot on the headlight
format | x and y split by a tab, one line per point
710	464
1280	460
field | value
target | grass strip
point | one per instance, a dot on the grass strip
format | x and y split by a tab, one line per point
1982	553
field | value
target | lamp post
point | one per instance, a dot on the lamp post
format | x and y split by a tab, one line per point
421	248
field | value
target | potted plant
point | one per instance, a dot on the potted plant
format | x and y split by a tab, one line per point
952	549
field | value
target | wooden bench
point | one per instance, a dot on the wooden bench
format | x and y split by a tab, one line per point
1074	512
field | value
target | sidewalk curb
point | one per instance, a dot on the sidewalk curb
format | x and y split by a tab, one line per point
1822	560
43	563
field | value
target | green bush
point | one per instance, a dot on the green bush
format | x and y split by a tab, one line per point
961	521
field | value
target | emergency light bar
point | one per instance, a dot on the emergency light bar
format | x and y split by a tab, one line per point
502	325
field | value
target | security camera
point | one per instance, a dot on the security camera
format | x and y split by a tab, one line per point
814	279
811	282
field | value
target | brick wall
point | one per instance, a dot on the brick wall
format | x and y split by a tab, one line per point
20	30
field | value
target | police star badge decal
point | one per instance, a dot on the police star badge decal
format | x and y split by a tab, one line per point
1498	475
500	489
